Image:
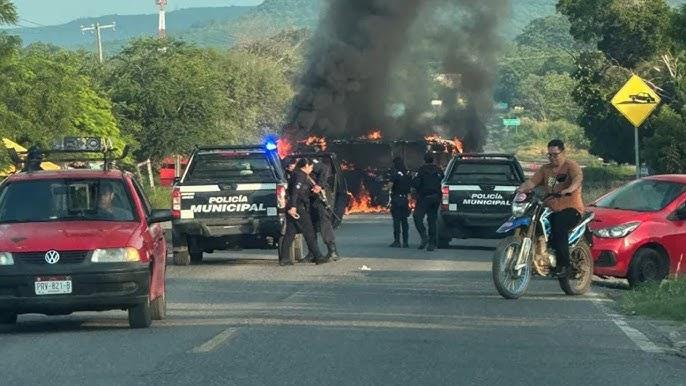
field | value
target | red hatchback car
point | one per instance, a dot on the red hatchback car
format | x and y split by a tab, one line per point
640	230
80	240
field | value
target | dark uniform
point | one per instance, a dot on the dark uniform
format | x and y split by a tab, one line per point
299	195
323	217
400	205
427	183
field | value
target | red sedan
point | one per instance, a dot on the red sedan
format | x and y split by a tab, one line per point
640	230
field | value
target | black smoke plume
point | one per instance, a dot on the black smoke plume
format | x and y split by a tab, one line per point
350	81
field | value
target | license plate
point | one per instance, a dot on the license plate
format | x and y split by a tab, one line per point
53	285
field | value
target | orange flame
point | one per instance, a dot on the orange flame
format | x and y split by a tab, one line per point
456	144
373	136
284	148
363	203
459	145
319	142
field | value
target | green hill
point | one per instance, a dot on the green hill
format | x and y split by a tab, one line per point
223	26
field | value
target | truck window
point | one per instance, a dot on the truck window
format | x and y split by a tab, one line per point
483	173
233	166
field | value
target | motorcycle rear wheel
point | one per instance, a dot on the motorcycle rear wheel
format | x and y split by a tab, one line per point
579	280
510	284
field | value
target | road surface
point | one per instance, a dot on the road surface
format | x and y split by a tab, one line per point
380	316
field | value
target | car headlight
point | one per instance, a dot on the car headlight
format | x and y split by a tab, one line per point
117	255
618	231
6	258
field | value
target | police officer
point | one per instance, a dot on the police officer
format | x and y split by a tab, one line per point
427	183
298	217
323	216
400	203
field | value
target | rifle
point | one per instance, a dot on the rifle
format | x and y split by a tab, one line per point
323	198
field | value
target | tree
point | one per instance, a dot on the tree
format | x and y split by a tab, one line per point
548	97
43	97
8	12
625	31
255	92
549	33
665	151
166	96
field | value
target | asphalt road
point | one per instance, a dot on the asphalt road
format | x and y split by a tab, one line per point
412	317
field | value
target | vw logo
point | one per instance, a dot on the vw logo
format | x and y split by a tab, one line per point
52	257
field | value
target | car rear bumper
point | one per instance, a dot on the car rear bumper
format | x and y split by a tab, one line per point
612	257
239	234
91	291
471	225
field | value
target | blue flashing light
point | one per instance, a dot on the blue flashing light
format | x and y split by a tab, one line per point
270	143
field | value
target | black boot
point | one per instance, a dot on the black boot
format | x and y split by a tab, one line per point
395	244
322	260
333	254
406	244
423	244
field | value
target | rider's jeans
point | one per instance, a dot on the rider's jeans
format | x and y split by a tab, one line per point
561	223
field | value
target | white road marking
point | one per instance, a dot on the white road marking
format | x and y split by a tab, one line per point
215	342
639	338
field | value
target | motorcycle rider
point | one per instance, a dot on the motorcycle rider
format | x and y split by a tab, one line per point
563	177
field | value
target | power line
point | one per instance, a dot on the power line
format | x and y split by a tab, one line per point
33	22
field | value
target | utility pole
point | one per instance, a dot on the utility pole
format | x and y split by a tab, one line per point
98	35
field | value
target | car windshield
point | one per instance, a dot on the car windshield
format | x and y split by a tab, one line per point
643	196
483	173
234	166
65	200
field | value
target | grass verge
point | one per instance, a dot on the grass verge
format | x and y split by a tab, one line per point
159	196
660	301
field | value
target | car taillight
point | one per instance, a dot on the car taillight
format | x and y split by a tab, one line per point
446	197
176	203
281	196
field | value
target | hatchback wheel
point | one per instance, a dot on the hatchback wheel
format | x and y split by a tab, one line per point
647	266
140	316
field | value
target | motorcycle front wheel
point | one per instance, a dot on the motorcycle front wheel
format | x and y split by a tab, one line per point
579	280
510	283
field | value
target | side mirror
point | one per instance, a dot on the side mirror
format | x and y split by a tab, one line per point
680	214
160	215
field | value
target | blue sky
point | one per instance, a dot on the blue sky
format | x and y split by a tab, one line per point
51	12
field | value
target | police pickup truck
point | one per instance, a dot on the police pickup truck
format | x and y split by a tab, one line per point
477	192
229	197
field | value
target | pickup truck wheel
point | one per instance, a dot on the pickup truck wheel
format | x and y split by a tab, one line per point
8	318
196	256
444	243
182	258
159	308
140	316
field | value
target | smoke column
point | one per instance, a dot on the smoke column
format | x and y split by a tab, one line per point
344	91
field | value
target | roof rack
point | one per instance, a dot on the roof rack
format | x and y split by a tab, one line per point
34	156
486	155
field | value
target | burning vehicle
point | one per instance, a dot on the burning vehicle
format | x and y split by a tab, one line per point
365	163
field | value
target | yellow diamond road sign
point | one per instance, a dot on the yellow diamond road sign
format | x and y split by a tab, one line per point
636	101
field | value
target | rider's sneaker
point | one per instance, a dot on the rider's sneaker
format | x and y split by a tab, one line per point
561	272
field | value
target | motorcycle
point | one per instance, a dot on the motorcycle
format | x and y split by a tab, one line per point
527	252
